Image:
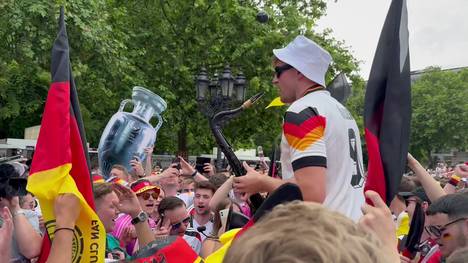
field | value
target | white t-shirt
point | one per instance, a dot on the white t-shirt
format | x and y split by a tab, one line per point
193	238
186	197
208	231
319	131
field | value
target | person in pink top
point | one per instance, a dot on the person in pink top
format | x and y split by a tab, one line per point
124	230
242	200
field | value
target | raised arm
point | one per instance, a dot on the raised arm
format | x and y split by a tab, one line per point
6	234
149	160
187	170
28	239
129	204
170	171
461	171
221	193
66	209
432	188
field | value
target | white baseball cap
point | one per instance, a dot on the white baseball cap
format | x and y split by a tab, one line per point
307	57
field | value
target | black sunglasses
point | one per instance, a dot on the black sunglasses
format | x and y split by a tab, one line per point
178	225
436	231
280	69
407	201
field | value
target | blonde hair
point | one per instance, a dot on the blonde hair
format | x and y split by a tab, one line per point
305	232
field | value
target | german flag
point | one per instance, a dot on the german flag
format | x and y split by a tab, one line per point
304	128
116	180
60	163
387	109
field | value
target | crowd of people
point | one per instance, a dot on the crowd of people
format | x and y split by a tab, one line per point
175	203
427	221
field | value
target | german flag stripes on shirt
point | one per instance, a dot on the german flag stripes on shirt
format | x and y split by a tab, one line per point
320	132
304	128
304	133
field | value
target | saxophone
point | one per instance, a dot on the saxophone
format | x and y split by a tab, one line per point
216	128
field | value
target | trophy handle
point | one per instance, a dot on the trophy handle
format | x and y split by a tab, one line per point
123	103
160	122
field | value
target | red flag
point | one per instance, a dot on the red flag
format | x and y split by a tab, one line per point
172	249
60	163
387	110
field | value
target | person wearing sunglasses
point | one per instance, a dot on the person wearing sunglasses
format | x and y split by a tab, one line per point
175	220
154	214
448	222
417	203
147	195
320	144
417	196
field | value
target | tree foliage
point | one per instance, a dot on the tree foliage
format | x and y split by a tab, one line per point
158	44
440	111
98	55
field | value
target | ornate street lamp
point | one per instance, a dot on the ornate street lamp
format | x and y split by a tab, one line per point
219	93
226	81
214	86
240	86
203	84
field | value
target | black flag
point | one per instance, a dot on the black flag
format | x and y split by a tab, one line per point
387	110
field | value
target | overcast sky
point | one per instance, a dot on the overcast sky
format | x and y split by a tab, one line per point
438	30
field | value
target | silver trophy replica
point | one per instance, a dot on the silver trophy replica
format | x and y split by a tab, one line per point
127	134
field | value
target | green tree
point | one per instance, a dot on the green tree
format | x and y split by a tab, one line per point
160	45
440	111
98	56
177	38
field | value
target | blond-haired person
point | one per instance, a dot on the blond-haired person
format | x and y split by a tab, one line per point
308	232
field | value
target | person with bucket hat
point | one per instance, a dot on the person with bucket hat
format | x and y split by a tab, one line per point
320	146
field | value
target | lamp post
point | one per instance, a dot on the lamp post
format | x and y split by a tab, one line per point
219	93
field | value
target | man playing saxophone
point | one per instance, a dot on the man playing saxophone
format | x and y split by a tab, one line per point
320	146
